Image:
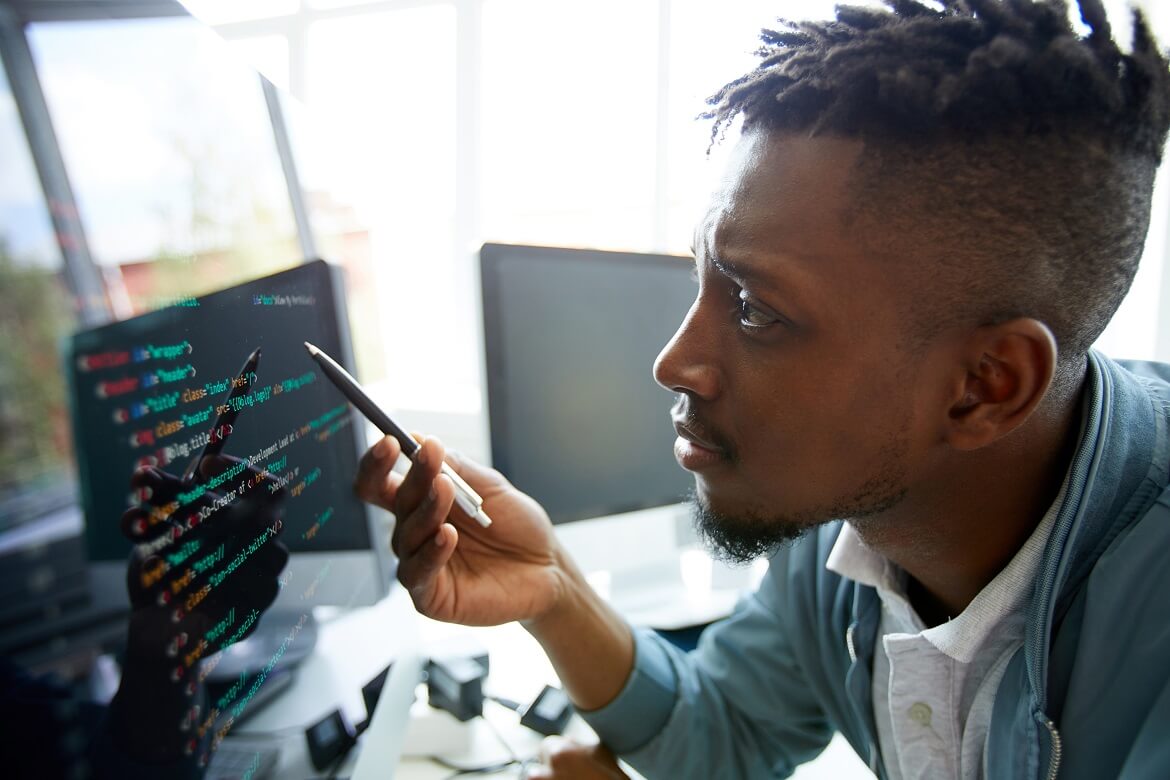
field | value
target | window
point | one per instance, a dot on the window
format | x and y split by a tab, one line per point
569	122
381	87
36	312
171	154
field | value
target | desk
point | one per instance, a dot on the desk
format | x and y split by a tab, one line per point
354	646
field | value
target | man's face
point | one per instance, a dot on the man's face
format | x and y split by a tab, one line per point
796	385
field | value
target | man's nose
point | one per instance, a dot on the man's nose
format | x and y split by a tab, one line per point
687	363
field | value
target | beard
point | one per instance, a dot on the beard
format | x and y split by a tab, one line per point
747	535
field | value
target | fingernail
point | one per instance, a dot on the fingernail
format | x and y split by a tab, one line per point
382	447
440	538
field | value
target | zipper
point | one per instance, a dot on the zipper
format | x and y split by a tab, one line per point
851	646
1054	759
1083	465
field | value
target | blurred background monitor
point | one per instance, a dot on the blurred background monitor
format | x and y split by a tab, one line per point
570	337
147	391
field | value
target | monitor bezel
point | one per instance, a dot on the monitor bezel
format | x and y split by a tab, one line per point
364	576
491	255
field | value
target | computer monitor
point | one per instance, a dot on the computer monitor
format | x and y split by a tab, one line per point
146	391
570	337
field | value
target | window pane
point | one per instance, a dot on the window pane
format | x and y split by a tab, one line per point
36	313
170	151
227	11
340	229
267	54
383	87
569	107
337	3
711	44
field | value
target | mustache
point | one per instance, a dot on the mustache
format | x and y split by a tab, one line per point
684	412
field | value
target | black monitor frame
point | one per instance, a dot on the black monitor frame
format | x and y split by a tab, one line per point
357	575
495	353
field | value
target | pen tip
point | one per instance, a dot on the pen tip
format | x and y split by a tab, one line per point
312	350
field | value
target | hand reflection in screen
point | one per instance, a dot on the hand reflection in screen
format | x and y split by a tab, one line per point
205	566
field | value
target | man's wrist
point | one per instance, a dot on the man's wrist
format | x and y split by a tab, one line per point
590	645
570	604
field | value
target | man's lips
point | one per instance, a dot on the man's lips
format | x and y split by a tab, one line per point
688	432
694	449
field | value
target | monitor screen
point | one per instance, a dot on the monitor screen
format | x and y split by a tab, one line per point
570	337
149	391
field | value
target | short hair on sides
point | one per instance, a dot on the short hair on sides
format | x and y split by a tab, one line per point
1009	155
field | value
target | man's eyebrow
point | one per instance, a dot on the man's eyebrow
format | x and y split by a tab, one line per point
737	272
733	270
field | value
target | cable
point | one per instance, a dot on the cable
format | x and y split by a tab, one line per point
507	704
486	769
502	741
460	771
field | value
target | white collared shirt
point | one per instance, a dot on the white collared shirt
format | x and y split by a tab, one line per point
933	688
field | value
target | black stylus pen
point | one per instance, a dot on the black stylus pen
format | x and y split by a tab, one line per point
226	418
467	499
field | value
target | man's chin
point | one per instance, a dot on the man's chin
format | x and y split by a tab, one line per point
742	537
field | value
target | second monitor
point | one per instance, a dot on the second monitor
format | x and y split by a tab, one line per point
570	337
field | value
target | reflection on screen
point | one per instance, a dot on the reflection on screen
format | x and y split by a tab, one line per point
149	392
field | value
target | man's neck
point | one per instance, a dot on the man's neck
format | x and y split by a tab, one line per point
961	527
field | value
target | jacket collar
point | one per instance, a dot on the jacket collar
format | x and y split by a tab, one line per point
1119	467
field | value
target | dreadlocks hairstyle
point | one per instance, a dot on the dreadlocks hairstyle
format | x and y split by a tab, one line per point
1018	153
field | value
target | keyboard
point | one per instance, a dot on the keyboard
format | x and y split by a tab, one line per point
243	760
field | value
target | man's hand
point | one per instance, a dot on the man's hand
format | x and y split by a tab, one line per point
455	570
513	570
199	577
217	571
563	759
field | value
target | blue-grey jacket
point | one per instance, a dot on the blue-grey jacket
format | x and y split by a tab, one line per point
1087	696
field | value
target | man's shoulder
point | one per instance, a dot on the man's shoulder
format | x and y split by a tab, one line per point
1152	375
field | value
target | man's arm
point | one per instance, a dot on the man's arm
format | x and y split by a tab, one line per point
739	706
590	645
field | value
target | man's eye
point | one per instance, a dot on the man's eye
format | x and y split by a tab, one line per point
752	316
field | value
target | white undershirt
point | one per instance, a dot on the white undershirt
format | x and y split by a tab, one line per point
933	688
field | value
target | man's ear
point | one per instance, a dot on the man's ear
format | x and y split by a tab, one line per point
1008	369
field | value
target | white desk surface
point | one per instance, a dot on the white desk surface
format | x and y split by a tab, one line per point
354	646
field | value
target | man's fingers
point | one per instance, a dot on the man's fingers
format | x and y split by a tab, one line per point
135	525
564	759
418	572
413	530
418	481
374	483
479	476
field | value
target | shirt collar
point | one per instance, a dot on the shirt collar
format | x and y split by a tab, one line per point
961	637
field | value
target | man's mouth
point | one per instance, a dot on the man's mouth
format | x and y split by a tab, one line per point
696	449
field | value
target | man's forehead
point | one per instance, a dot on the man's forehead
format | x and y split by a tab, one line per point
783	200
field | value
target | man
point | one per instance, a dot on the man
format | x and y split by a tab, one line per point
885	384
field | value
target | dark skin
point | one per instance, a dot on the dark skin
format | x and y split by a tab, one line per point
961	435
806	400
152	710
